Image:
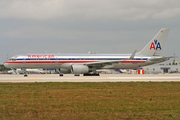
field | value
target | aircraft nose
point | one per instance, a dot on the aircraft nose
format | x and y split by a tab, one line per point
6	64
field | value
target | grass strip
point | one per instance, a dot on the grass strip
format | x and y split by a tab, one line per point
120	100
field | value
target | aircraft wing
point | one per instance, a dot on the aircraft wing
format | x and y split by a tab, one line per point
102	64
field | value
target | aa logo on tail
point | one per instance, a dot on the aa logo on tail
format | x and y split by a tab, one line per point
155	45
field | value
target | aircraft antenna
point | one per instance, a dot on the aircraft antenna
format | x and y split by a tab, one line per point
174	60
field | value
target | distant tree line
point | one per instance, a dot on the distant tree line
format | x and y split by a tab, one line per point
3	68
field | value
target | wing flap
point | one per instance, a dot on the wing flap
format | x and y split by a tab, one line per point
102	63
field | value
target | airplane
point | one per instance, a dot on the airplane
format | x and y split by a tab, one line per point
88	63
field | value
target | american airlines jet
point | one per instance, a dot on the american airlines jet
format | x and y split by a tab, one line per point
87	64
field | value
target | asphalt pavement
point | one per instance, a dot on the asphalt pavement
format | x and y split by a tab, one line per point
101	78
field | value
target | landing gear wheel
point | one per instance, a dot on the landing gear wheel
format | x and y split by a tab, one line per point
86	74
60	74
25	75
96	74
76	75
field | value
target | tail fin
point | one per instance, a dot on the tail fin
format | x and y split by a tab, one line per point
156	45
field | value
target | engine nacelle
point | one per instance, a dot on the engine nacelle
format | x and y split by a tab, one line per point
65	71
80	69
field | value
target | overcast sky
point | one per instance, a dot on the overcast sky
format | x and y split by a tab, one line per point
79	26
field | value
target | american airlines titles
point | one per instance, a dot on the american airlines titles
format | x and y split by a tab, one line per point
41	56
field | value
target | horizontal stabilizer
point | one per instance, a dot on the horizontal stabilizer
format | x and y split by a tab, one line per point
161	59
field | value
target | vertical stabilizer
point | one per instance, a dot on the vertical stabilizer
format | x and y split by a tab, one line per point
156	45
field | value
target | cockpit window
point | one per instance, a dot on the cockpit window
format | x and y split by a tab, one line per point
12	59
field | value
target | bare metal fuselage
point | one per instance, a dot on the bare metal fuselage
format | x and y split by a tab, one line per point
66	60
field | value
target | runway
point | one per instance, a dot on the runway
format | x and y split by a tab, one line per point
101	78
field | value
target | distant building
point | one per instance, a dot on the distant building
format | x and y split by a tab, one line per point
174	63
162	69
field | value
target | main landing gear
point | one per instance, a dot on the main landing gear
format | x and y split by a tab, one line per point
60	74
94	74
25	75
76	74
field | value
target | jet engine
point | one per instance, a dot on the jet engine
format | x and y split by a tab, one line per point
79	69
65	71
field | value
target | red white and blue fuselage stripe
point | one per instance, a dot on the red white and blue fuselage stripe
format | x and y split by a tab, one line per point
55	60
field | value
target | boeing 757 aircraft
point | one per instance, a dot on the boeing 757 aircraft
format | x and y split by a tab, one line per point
89	63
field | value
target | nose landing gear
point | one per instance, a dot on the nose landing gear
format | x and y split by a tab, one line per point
25	72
